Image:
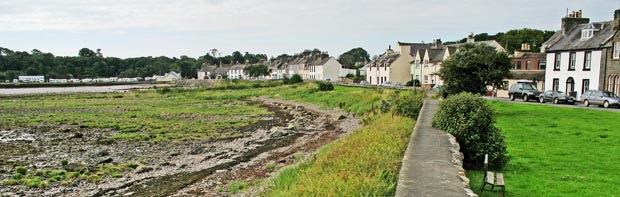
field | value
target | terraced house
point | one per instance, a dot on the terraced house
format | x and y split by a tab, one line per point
583	55
428	59
392	66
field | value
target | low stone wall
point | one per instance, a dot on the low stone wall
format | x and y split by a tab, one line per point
456	158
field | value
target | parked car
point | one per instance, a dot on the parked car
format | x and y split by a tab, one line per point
398	85
556	97
600	98
523	89
387	84
364	83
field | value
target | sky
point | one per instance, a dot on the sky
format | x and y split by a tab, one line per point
134	28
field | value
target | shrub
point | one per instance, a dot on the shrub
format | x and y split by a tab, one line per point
64	162
21	170
165	90
409	83
286	80
470	119
296	78
235	187
408	103
325	86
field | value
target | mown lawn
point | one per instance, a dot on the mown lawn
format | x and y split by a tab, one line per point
558	151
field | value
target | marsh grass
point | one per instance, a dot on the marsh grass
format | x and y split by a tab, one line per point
557	151
366	163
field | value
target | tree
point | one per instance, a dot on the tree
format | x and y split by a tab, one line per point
472	68
85	52
349	58
237	57
256	70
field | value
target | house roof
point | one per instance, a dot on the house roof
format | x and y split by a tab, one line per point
572	38
538	75
384	59
435	55
238	67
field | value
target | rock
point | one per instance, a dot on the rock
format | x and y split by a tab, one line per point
129	194
174	154
72	167
108	160
102	153
197	150
342	117
105	141
77	135
143	169
220	171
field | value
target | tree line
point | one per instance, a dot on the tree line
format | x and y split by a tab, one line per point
512	40
88	64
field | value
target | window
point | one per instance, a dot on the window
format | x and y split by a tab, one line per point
616	54
558	57
587	60
425	78
542	64
585	85
587	34
556	84
417	63
517	65
504	85
528	63
573	60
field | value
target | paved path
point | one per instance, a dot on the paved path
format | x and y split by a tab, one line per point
426	168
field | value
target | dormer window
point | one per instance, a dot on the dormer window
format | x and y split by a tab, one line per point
588	32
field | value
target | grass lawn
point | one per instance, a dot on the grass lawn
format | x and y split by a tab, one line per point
558	151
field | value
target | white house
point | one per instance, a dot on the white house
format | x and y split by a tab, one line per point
574	55
325	68
31	79
237	71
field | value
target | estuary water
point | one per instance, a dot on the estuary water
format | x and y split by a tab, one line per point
64	90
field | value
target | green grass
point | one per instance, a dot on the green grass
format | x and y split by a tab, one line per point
41	178
558	151
366	163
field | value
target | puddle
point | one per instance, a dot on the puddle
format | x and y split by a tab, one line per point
11	136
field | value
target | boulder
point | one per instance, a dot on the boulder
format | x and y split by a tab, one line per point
143	169
108	160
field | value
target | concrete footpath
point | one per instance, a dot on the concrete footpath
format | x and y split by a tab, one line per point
426	169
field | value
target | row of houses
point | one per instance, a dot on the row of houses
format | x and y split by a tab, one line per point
167	77
310	65
582	55
415	61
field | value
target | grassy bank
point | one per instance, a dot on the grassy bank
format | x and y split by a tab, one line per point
364	164
558	151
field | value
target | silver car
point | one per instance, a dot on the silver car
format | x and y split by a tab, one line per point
601	98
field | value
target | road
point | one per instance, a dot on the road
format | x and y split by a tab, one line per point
576	105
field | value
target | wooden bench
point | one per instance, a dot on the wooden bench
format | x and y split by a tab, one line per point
492	179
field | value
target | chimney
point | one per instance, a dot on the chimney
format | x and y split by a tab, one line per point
438	44
572	20
617	19
389	50
470	38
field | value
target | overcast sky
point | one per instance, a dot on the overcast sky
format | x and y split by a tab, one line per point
131	28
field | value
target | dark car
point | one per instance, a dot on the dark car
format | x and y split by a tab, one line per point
601	98
556	97
523	89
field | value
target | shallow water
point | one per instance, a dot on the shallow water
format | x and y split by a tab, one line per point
61	90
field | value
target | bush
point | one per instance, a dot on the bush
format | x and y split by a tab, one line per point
21	170
165	90
408	103
325	86
470	119
296	78
286	80
409	83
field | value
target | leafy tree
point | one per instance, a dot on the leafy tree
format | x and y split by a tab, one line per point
472	68
255	71
237	57
85	52
512	39
349	58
